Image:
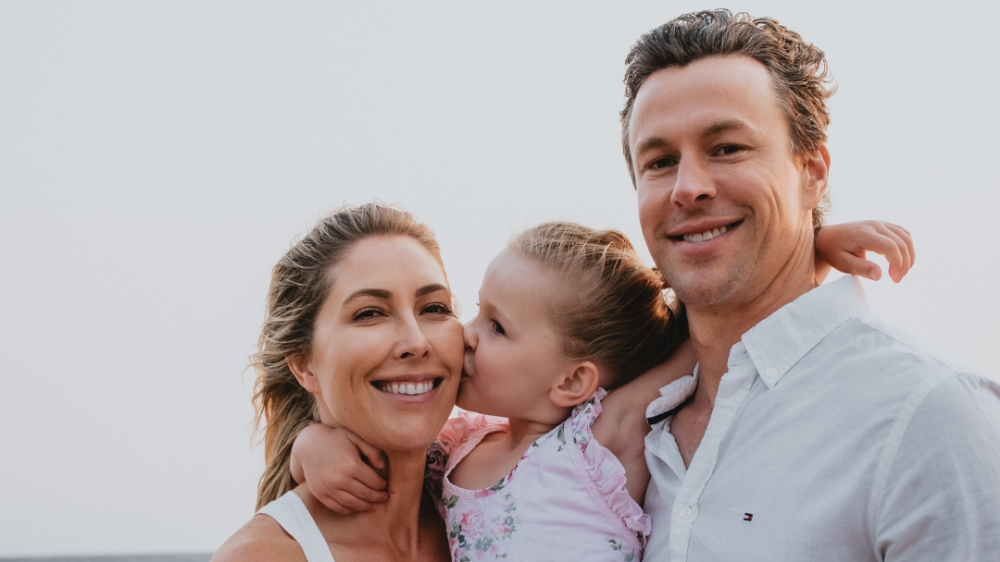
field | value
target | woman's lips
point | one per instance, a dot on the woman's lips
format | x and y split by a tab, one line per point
409	389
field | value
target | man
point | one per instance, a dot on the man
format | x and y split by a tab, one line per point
809	431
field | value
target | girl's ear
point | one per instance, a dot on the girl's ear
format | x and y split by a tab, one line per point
299	365
576	387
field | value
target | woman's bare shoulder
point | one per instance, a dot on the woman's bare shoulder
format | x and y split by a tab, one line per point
260	540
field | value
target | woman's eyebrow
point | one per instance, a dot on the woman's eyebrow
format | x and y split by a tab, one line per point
377	293
427	289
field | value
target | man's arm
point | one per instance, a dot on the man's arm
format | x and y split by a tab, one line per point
940	497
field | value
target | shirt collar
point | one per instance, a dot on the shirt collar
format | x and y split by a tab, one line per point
779	341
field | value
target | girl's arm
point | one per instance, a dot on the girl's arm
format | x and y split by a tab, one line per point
336	466
843	246
622	426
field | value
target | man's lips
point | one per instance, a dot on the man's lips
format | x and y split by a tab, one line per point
703	232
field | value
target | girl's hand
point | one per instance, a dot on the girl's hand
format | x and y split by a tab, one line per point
329	461
843	246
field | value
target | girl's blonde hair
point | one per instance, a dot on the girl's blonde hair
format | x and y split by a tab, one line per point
620	319
300	283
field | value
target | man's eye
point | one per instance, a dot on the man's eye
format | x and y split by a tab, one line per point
730	149
437	308
661	163
497	328
366	313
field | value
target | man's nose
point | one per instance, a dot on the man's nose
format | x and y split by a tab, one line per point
694	184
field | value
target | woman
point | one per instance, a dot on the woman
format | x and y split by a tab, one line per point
359	334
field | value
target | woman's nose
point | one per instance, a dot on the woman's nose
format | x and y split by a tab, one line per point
413	342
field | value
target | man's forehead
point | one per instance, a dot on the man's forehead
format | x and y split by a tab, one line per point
710	95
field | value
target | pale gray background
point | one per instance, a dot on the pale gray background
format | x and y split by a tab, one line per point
157	158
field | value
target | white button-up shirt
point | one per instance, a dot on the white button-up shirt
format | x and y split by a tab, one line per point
832	438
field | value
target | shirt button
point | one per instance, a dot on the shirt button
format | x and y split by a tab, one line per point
686	513
771	372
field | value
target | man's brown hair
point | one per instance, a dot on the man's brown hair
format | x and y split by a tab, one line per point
798	70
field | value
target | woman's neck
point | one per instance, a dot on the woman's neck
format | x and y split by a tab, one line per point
395	523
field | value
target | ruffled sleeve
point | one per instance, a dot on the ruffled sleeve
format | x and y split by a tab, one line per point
453	434
604	469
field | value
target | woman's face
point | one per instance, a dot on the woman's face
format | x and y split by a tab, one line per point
387	349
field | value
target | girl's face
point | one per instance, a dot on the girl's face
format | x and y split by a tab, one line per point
386	354
513	353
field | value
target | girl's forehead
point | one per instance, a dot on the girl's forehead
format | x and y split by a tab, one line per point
514	278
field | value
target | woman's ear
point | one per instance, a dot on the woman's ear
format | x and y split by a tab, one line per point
299	365
577	386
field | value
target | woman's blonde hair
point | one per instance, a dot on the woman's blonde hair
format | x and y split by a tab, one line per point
300	283
620	318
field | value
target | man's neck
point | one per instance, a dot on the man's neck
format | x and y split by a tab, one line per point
715	329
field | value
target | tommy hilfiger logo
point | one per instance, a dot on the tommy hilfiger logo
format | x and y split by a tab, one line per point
748	516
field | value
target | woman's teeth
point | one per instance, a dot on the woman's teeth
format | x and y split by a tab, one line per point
410	388
703	237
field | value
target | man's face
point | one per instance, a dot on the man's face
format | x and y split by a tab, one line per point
723	201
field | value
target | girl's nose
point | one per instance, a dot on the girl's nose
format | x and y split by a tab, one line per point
471	336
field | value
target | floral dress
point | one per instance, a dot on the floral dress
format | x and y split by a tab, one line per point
565	499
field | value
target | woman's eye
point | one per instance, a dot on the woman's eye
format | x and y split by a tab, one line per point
366	313
497	328
437	308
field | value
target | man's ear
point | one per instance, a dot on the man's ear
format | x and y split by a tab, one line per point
299	365
577	386
817	171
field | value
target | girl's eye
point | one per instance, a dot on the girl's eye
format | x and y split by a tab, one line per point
437	308
366	313
497	328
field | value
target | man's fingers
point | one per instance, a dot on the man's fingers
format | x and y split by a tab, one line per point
370	452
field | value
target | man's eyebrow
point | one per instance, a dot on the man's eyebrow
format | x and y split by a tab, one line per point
723	126
650	143
377	293
427	289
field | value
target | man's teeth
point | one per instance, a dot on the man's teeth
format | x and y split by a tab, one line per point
702	237
410	388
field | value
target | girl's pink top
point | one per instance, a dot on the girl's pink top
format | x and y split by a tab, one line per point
565	499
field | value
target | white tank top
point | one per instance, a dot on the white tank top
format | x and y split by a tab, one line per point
294	518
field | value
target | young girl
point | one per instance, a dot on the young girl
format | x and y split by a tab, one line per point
565	312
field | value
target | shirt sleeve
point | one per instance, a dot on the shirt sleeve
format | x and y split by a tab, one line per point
941	496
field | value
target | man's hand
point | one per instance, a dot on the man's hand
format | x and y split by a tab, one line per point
329	461
843	246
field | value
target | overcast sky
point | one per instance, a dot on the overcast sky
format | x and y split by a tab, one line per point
157	158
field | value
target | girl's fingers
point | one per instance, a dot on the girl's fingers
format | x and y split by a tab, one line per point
904	235
364	492
370	452
852	264
900	261
346	504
